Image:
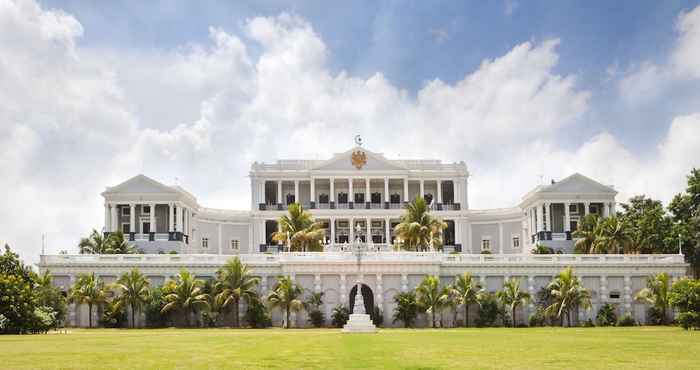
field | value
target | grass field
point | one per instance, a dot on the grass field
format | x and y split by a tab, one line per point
496	348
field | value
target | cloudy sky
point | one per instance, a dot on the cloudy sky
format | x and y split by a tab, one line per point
92	93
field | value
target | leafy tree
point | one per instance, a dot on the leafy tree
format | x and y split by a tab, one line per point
286	295
430	297
657	294
512	297
606	315
313	306
154	317
466	290
299	226
377	316
541	249
406	309
568	294
602	235
626	320
419	230
648	225
587	233
340	316
256	314
685	296
685	213
134	292
184	295
114	315
489	310
50	296
234	282
115	243
17	303
89	290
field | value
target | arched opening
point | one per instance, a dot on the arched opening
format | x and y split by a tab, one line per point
367	297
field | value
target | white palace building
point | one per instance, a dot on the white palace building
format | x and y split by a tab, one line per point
360	194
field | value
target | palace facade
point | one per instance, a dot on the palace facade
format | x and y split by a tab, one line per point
360	195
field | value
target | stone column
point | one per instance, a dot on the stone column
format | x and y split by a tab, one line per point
108	220
386	189
586	208
368	237
182	217
538	218
351	195
332	230
221	242
533	294
352	229
171	217
405	189
296	192
317	283
279	192
132	218
313	190
628	294
115	218
343	293
548	215
379	297
422	188
603	296
332	180
613	211
72	308
439	191
404	283
567	217
153	218
387	230
368	197
501	242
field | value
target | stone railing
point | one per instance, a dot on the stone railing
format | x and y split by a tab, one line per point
367	256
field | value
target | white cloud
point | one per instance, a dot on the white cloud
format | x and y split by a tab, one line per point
87	118
649	80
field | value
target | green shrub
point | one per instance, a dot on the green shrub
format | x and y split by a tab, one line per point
537	318
114	316
689	320
606	315
256	315
489	310
626	320
377	317
317	318
340	316
588	323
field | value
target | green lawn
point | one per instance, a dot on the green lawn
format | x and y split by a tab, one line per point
497	348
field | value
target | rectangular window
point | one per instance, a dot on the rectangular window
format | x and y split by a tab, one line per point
205	243
594	208
486	244
146	210
516	242
235	245
126	211
126	228
573	209
614	295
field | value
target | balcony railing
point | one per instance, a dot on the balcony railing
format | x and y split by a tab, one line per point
352	205
378	254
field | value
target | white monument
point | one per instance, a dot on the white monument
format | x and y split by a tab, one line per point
360	321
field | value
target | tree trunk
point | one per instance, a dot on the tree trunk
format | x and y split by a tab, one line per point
90	315
187	319
466	315
286	323
235	313
433	318
133	321
512	316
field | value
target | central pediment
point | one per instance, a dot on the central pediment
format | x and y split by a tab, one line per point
141	184
358	159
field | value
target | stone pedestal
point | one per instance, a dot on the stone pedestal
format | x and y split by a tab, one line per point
359	321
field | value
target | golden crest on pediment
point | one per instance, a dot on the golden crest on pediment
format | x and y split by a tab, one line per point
358	159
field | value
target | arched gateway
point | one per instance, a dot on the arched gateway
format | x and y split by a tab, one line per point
367	297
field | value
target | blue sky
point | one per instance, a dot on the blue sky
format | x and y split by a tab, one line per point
412	42
97	92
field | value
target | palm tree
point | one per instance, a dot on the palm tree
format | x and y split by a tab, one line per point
184	295
418	229
587	234
406	308
512	296
568	295
657	293
134	292
116	244
430	296
96	243
613	237
466	289
286	295
89	290
299	228
233	283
